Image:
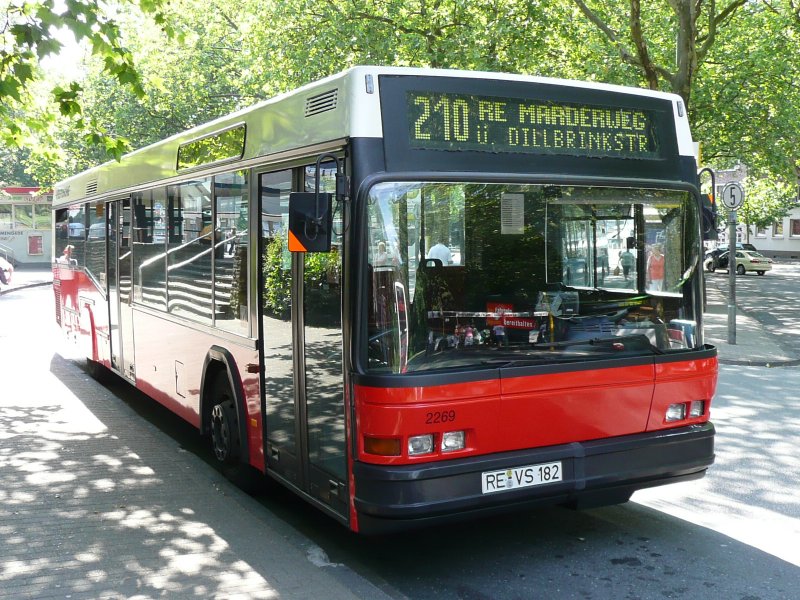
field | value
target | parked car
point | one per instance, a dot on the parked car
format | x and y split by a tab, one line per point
76	230
746	261
97	231
711	258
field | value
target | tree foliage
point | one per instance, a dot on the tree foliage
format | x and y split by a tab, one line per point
734	62
30	33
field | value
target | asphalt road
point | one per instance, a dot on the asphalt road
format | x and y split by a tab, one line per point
732	535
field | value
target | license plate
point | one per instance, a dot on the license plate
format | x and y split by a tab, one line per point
520	477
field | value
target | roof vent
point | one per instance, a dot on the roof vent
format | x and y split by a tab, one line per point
91	188
321	103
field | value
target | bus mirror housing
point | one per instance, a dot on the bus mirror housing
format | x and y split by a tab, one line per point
311	215
310	221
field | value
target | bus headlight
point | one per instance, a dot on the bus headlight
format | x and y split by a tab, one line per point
697	408
420	444
452	441
676	412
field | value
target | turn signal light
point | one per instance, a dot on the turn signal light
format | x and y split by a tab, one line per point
382	446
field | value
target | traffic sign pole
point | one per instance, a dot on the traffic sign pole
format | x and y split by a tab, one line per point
732	277
732	199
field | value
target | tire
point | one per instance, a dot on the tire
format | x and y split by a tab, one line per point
740	269
225	439
761	272
224	424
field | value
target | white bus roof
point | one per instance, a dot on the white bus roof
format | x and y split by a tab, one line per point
345	105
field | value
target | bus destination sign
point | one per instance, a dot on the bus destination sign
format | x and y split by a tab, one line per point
462	122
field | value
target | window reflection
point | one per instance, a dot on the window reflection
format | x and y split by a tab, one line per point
230	259
190	246
149	244
474	273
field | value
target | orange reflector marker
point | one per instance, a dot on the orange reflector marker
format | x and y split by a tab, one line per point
382	446
294	244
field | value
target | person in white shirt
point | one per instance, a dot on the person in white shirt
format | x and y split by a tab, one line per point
381	256
441	252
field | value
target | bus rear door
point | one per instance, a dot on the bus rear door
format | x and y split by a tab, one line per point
120	290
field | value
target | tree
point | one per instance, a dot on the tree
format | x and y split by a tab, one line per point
766	201
12	167
29	31
693	24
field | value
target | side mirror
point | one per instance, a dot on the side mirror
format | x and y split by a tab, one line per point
310	221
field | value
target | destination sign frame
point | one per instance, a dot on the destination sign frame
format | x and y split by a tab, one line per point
469	122
402	153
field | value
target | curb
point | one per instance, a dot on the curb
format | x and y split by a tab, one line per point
24	287
790	362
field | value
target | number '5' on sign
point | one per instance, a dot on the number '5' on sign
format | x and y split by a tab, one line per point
732	196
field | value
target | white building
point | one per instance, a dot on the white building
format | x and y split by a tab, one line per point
780	240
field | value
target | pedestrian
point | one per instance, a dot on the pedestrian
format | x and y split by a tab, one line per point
381	257
6	271
655	269
627	261
441	252
66	256
499	332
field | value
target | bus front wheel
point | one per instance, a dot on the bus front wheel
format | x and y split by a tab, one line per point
224	424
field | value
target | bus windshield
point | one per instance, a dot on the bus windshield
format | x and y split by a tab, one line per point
486	275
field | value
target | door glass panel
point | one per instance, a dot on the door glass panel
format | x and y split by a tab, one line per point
96	244
323	344
126	290
113	285
125	286
276	303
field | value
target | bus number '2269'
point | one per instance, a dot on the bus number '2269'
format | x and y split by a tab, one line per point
444	416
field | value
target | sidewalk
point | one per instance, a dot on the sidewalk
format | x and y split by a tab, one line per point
28	276
754	345
98	502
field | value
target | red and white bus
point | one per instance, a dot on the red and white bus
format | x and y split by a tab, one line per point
500	305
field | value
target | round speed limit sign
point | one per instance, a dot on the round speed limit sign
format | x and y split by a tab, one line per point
732	196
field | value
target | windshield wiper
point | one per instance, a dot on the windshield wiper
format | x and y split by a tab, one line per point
619	339
616	343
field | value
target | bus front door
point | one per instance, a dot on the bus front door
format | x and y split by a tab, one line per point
302	353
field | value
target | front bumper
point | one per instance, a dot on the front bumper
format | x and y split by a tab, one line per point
595	473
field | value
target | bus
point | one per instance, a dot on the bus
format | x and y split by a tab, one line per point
410	295
25	225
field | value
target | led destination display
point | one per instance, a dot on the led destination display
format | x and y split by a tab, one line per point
461	122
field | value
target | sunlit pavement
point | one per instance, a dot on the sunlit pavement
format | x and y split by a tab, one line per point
95	502
751	493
